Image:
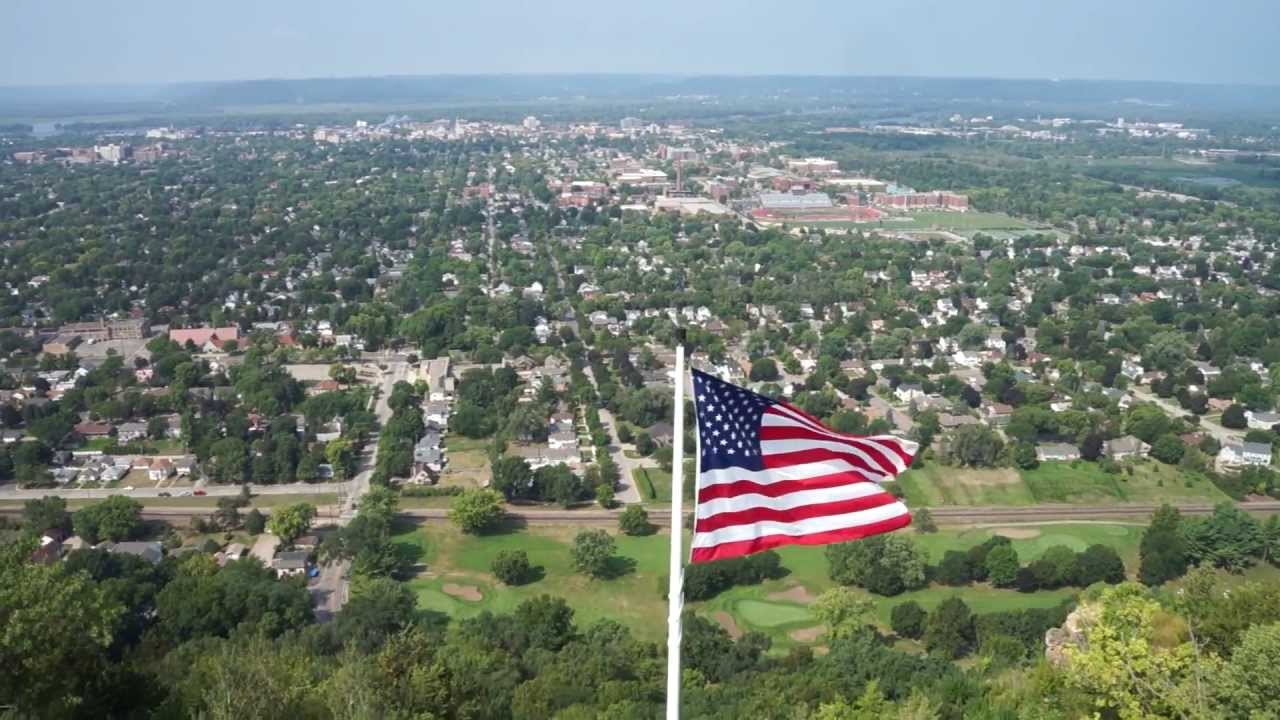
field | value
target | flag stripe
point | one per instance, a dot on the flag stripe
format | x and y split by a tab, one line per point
807	526
801	471
793	515
777	489
766	542
811	496
888	448
873	459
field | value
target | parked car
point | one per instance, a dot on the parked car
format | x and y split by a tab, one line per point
199	493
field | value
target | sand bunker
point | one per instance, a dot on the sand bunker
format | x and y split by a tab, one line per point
1017	533
728	623
798	594
470	593
807	635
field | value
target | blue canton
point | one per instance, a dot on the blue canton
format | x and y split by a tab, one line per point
728	423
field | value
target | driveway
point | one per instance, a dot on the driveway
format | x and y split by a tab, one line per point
627	491
329	590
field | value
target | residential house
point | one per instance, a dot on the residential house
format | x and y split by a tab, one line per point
997	413
290	563
160	469
907	392
152	552
1236	455
1125	448
1057	452
1260	420
131	431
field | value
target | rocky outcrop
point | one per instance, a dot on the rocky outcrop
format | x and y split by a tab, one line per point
1071	634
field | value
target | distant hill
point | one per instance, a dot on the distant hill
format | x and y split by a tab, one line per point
417	90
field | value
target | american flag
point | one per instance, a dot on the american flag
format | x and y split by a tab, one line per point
770	474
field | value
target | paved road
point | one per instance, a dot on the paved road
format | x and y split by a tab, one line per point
628	493
1219	433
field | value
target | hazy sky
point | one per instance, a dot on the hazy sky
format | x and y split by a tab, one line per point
130	41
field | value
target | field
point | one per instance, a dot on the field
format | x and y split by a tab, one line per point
455	577
1078	482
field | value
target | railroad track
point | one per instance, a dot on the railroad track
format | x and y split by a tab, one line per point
947	515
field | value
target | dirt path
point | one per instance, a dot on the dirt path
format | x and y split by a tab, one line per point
1015	533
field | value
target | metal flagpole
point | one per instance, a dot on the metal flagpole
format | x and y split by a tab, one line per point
675	590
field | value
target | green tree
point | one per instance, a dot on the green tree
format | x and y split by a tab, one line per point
604	495
764	370
477	510
512	477
291	521
843	611
949	629
511	567
1168	449
55	628
883	564
592	552
47	513
1163	550
1099	563
974	446
116	518
1002	565
923	520
1230	538
342	456
1233	417
255	522
1248	685
908	619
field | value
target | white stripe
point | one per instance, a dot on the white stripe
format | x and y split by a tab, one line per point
800	498
775	447
878	443
801	471
809	526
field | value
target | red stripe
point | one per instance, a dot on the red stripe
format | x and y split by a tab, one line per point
792	432
778	489
755	545
804	512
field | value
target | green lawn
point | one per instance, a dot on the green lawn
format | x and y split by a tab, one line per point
654	484
448	557
1054	482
